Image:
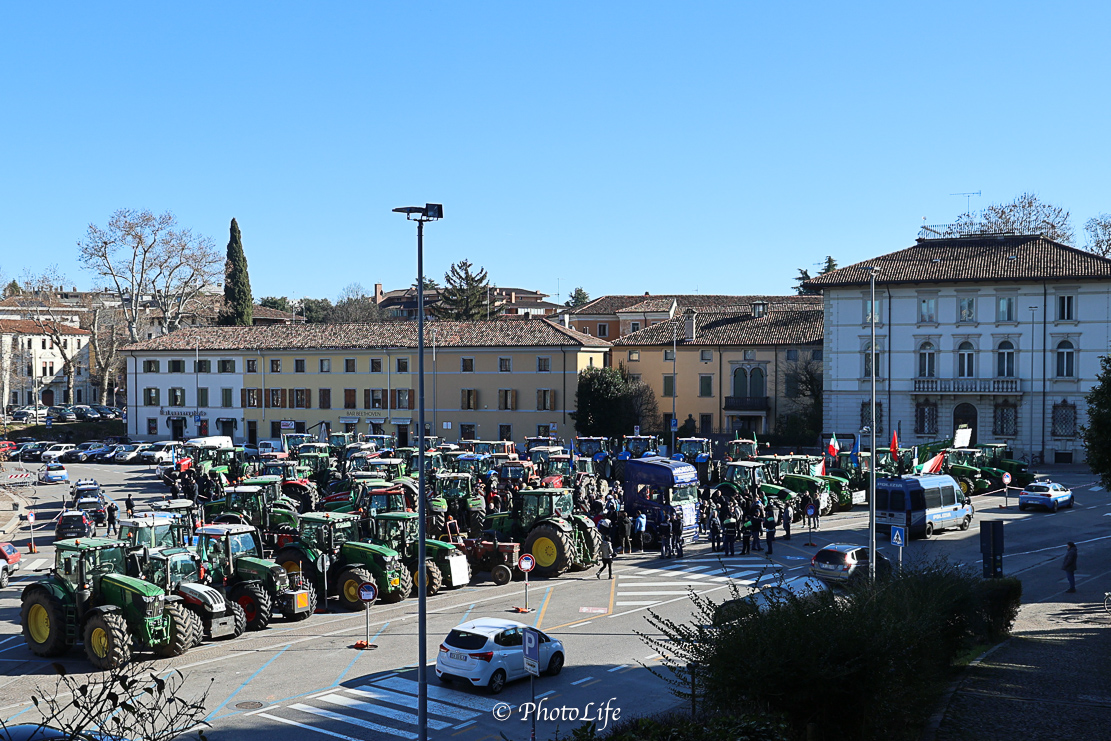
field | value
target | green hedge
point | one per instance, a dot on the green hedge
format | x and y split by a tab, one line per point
680	727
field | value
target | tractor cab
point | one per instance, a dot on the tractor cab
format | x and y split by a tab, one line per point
150	531
740	450
395	530
327	531
432	441
742	477
517	473
539	504
591	446
639	446
693	450
549	441
454	485
169	568
539	456
292	441
502	448
476	464
381	442
560	472
220	546
283	469
389	468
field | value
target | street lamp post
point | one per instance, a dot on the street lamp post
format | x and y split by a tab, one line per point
674	387
421	214
1033	335
872	469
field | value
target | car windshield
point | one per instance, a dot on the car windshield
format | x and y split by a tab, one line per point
71	520
684	494
465	640
690	447
125	448
830	556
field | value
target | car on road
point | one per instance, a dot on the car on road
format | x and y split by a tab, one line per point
73	524
489	652
53	473
55	451
1045	495
843	563
10	562
94	506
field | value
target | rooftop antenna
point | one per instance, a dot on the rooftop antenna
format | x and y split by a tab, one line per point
967	200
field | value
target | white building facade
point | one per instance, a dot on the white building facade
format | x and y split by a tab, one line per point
33	365
183	394
1002	333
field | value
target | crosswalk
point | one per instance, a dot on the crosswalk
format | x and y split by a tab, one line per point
27	569
386	707
651	586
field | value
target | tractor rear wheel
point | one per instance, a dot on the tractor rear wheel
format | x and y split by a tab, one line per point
290	614
347	587
255	603
294	561
551	547
437	524
603	488
592	545
182	633
107	640
306	497
44	624
403	589
477	521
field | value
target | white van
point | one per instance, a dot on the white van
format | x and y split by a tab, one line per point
162	452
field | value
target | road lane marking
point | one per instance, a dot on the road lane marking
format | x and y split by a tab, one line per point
640	584
626	604
353	721
408	686
464	725
684	567
584	679
668	602
617	668
439	708
240	688
323	730
650	593
549	692
9	638
367	707
543	607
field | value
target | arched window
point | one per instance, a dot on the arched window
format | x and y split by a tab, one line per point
756	382
1066	359
927	361
740	382
1006	360
966	360
869	357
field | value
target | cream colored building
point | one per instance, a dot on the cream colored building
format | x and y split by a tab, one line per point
500	379
728	370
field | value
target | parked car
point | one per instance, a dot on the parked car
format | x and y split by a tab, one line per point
73	524
81	453
490	652
61	414
29	414
844	562
55	451
32	451
106	412
84	412
1046	495
7	446
765	596
130	453
10	562
105	455
161	452
53	473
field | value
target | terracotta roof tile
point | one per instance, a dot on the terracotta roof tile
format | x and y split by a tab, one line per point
654	303
30	326
789	326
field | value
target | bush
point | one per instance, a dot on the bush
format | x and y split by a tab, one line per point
679	727
999	601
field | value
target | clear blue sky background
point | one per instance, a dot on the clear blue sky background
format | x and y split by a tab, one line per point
624	147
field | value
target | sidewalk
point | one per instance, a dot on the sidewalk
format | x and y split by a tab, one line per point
11	507
1051	680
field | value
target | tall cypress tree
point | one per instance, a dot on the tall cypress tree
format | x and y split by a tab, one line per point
238	304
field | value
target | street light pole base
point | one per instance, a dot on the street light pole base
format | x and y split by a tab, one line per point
522	609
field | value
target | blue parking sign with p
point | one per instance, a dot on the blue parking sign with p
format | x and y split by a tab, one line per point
532	651
898	536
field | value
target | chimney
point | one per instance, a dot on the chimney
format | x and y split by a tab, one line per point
513	297
377	293
759	308
690	331
565	319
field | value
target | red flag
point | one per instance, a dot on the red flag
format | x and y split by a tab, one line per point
894	441
933	465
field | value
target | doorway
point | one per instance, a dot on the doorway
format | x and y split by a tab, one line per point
403	436
252	432
177	428
48	397
966	414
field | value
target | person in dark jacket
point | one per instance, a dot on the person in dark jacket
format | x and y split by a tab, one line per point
746	538
756	516
677	533
112	510
729	530
769	526
129	504
663	530
626	531
788	515
715	531
1069	566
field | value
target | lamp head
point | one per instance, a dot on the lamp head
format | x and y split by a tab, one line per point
427	212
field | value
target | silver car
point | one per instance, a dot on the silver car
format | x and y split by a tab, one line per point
845	562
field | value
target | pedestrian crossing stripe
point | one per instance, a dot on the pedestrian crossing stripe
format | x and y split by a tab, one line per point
367	707
436	708
38	563
410	687
368	725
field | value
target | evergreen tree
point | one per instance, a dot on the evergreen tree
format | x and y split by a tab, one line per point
830	265
579	297
238	304
12	289
464	295
802	277
1097	433
278	303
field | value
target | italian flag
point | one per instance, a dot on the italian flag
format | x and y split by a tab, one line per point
834	448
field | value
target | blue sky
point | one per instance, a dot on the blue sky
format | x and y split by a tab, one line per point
624	147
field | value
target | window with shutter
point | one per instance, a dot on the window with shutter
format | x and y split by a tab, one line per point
308	398
349	398
285	399
412	399
325	398
513	400
393	398
243	398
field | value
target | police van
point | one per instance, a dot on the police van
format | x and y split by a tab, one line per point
922	504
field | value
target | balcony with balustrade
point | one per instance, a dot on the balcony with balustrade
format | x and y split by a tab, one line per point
746	403
978	386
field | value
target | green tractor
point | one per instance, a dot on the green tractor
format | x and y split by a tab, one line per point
178	571
454	497
897	464
969	467
89	598
296	482
275	517
348	561
744	478
996	456
231	554
545	523
445	565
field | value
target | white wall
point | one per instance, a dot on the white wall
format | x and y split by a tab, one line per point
163	380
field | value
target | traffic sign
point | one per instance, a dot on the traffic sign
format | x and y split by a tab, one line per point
49	422
526	562
898	536
1006	478
674	424
532	651
30	517
811	510
368	592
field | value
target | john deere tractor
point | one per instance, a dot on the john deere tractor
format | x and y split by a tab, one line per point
544	522
455	497
996	456
273	515
295	483
969	467
89	598
348	561
445	565
232	555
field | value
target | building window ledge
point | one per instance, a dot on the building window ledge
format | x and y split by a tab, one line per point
928	324
1066	323
1006	324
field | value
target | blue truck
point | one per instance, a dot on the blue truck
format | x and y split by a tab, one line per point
660	485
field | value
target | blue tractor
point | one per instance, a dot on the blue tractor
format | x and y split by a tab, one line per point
657	486
596	449
482	466
699	452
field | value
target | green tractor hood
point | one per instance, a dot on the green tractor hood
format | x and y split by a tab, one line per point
131	584
360	551
251	567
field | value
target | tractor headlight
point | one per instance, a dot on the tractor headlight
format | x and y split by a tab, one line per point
152	606
281	578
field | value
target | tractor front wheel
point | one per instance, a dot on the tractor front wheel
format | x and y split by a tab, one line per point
501	574
403	589
182	635
255	603
350	579
44	624
107	641
433	579
551	547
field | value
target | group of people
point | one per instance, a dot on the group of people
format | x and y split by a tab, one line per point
197	487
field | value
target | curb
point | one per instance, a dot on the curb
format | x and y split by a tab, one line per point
12	523
929	733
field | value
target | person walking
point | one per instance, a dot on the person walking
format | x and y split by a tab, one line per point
626	532
677	533
607	559
129	505
715	532
788	515
757	519
817	512
769	525
746	538
112	510
729	529
640	526
663	529
804	503
1069	566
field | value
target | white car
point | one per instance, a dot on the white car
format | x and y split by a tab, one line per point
490	652
54	451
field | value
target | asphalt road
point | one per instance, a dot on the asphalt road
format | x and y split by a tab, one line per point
306	681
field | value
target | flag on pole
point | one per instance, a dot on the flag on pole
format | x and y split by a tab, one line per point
933	465
854	456
894	442
833	447
822	469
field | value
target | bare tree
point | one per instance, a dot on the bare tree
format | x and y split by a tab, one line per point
1026	214
107	331
1099	235
141	254
354	305
49	318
